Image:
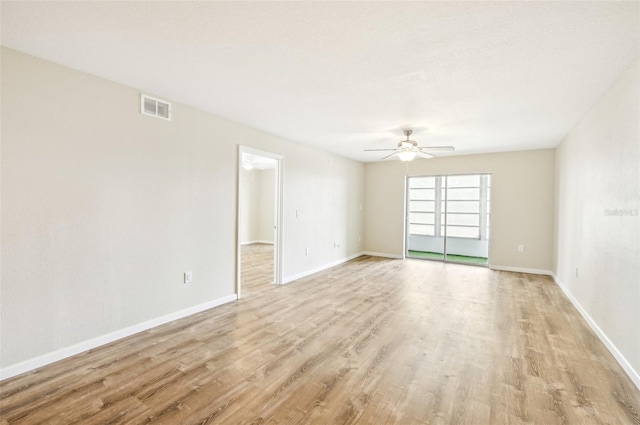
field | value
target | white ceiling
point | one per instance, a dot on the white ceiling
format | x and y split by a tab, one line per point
346	76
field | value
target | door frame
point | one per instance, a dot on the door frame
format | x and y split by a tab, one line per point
277	249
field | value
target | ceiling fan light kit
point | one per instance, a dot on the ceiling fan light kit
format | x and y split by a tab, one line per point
407	150
407	155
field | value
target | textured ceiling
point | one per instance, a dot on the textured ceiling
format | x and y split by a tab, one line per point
347	76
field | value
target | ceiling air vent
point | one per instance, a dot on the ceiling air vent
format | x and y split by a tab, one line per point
155	107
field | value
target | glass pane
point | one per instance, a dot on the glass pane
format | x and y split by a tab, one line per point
464	206
463	219
465	194
462	232
422	182
421	218
421	229
421	206
422	194
463	181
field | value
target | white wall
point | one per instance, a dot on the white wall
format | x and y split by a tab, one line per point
598	217
266	204
248	214
257	215
521	203
103	208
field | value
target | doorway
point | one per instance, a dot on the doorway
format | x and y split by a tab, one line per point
448	218
259	218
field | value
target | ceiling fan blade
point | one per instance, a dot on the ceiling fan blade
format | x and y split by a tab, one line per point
424	154
388	156
378	150
437	148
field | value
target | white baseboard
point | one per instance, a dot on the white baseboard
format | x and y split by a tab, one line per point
81	347
521	270
257	241
633	374
382	254
319	269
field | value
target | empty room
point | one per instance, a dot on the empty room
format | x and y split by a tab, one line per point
320	212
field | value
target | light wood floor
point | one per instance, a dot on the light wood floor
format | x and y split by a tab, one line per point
257	269
373	341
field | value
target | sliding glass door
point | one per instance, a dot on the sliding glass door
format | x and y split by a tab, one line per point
448	218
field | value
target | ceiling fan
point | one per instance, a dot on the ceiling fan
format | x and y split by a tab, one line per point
408	149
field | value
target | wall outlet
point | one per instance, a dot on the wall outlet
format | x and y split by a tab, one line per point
576	272
335	245
188	277
520	248
306	251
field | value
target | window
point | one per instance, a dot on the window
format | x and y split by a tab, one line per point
422	206
461	203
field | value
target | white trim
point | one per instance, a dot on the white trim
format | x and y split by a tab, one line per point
257	241
319	269
633	374
521	270
81	347
382	254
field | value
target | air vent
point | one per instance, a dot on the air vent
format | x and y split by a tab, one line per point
155	107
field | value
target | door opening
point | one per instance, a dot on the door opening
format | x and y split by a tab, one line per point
259	220
448	218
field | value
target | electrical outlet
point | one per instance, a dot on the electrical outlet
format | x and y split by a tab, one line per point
188	277
576	272
520	248
306	251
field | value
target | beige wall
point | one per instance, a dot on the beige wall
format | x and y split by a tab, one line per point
521	203
266	205
248	214
598	219
103	208
257	215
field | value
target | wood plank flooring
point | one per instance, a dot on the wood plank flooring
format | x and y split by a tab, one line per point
372	341
257	269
